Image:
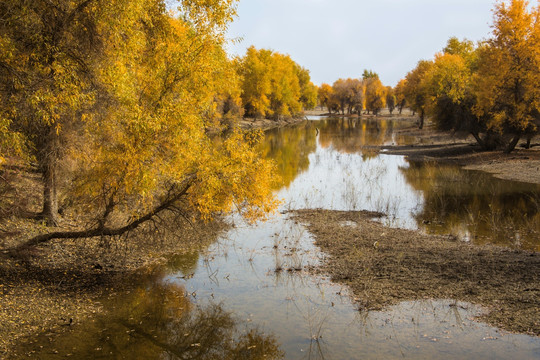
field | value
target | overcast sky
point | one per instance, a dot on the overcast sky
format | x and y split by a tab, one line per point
340	38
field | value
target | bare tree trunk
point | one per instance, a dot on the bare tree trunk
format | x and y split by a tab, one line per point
50	179
421	124
479	140
512	144
528	144
50	196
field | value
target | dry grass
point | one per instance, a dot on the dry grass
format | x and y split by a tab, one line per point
60	283
384	266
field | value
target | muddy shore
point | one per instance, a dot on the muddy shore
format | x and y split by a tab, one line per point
384	266
431	145
56	286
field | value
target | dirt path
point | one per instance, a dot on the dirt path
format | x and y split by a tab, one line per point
384	266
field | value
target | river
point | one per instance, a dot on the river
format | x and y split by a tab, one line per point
251	295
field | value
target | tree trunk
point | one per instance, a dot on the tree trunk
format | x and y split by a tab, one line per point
50	196
528	144
167	204
50	178
512	145
421	124
479	140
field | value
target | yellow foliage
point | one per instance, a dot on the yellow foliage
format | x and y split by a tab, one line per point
448	77
375	94
507	82
273	85
136	106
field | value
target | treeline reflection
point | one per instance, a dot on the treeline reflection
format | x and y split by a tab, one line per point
160	322
476	206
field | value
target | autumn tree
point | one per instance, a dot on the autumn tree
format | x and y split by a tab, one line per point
308	90
390	99
450	100
122	90
256	85
375	94
326	96
285	87
399	92
349	94
450	97
341	93
507	82
464	48
227	106
416	91
48	80
273	85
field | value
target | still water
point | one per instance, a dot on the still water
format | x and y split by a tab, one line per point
249	295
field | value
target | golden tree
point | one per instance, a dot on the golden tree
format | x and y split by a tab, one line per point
507	85
390	99
328	98
375	94
450	100
416	90
128	107
399	92
349	95
273	85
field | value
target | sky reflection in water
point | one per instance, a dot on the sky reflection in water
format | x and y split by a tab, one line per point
249	294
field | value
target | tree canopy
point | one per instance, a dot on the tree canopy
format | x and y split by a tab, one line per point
490	90
112	100
273	85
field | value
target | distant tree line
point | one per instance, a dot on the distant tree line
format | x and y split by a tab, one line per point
353	96
273	86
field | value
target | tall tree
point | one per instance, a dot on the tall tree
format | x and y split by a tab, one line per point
48	80
507	83
349	94
326	96
308	90
399	91
390	99
273	85
416	91
137	106
450	99
375	94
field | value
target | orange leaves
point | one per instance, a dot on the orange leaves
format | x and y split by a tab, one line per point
508	78
235	177
127	89
375	94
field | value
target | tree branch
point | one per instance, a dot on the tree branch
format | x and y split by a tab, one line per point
106	231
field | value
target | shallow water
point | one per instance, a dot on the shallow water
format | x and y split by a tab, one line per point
249	294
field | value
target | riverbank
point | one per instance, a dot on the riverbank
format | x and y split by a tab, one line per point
267	124
431	145
384	266
58	285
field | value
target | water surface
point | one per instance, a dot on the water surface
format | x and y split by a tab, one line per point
250	295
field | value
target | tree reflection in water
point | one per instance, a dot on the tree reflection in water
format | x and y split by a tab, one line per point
160	322
476	206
